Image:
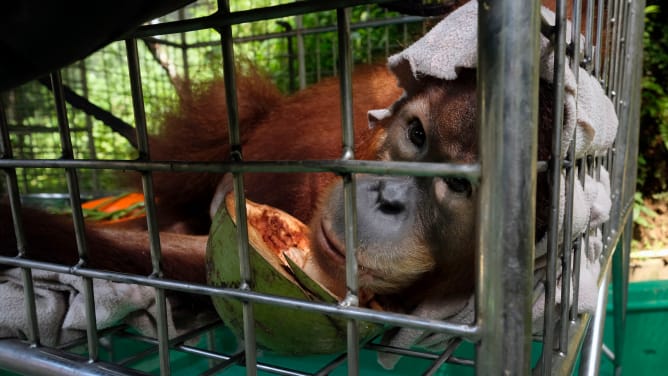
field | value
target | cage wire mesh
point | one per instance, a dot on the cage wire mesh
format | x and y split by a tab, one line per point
301	55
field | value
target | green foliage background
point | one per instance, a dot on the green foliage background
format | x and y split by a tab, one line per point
653	158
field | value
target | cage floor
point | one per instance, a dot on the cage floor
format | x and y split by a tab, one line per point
121	349
646	347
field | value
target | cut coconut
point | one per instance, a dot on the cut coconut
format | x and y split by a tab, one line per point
282	265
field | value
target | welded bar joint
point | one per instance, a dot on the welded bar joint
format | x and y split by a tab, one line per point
77	212
229	76
149	202
350	206
555	169
32	329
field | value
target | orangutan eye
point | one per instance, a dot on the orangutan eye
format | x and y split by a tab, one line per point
458	185
416	133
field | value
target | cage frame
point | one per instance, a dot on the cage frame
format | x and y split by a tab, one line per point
502	344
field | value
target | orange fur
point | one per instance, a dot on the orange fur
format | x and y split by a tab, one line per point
306	125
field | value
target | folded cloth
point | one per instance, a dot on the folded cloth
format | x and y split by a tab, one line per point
589	118
61	307
450	46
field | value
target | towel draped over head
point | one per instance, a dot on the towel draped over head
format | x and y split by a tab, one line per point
589	117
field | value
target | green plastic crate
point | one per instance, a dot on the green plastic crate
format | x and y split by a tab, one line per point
646	335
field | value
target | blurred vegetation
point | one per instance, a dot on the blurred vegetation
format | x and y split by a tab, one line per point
653	158
652	180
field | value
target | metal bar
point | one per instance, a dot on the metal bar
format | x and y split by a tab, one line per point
69	346
567	249
149	201
564	363
434	368
32	329
572	311
599	39
177	344
620	43
331	366
77	213
468	171
368	44
229	76
589	36
623	172
591	354
568	236
89	125
301	52
508	67
41	129
418	354
350	206
468	332
221	18
623	166
614	237
19	357
620	281
555	165
184	50
609	29
318	59
631	91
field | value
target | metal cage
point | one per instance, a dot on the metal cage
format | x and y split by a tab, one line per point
508	57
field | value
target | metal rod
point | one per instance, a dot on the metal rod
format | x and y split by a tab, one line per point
468	171
599	39
564	363
331	366
92	152
77	213
620	281
568	236
623	172
301	52
508	67
555	165
434	368
468	332
581	243
21	358
572	311
229	76
184	49
589	36
149	201
620	41
32	329
418	354
591	349
350	206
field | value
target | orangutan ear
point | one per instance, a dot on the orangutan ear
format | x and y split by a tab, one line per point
377	115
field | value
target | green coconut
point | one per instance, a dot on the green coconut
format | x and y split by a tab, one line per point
279	256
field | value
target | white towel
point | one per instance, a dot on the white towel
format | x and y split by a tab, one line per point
450	45
588	114
61	309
